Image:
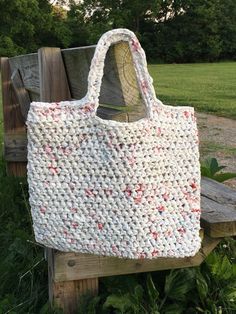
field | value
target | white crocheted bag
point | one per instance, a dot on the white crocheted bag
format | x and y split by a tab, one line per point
112	188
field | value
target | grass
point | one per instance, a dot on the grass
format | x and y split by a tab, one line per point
209	87
211	147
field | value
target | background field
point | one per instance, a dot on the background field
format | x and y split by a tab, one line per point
209	87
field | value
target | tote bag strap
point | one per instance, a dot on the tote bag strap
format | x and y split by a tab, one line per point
140	65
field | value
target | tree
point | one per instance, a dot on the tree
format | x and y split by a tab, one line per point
169	30
26	25
191	33
227	28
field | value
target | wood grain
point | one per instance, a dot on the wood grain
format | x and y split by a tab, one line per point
28	67
54	87
67	294
21	93
128	81
12	117
118	68
15	147
218	192
77	63
52	79
70	266
218	203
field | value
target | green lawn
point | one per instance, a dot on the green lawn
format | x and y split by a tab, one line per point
209	87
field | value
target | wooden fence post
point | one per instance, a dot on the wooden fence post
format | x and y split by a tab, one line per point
54	87
14	125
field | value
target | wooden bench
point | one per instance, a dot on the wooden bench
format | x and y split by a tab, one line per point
54	75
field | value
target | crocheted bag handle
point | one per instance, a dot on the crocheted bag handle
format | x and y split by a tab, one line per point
140	65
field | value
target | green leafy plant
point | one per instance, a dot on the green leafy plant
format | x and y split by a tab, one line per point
210	168
23	270
209	288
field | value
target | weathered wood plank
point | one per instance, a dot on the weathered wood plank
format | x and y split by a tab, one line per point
21	93
15	147
53	80
54	87
28	67
218	203
112	114
128	81
218	220
12	117
218	192
70	266
67	294
77	63
118	68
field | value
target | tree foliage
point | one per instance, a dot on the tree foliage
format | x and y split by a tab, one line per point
169	30
26	25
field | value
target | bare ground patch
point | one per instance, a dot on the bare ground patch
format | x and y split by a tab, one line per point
218	139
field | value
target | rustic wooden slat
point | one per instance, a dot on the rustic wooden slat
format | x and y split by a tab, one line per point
54	87
77	63
218	192
118	68
21	93
67	294
112	114
218	204
28	67
53	79
218	220
70	266
15	147
12	117
128	81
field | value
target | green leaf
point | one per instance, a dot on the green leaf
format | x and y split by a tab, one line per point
221	177
202	286
210	167
174	309
120	284
138	292
152	291
205	172
93	304
214	166
119	302
221	268
179	283
153	295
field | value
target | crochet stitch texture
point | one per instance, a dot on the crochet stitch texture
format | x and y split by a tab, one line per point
130	190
